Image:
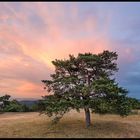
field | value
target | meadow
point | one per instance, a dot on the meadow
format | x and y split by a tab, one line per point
72	125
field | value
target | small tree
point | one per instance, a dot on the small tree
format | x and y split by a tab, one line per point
84	82
135	103
13	106
7	105
4	101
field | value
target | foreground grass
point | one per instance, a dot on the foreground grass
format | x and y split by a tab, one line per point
31	125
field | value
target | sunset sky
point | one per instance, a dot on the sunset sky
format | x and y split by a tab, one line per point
32	34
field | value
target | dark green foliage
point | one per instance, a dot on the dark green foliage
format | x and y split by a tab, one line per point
4	100
34	107
12	105
25	108
135	104
84	82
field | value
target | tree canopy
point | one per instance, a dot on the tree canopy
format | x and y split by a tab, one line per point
85	82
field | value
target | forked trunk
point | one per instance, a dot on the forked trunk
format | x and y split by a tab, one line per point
87	117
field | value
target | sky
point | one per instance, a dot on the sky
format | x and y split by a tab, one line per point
32	34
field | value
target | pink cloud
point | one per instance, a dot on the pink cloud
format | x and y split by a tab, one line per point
35	47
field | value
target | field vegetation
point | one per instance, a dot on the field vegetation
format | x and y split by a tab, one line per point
72	125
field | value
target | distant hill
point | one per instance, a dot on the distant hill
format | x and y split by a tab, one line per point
27	99
28	102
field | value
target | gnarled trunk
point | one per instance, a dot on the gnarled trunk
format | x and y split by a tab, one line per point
87	117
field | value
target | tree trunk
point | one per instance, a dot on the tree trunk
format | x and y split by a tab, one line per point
87	117
87	111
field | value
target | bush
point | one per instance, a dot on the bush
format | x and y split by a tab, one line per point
15	106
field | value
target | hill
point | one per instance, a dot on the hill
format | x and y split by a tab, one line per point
28	102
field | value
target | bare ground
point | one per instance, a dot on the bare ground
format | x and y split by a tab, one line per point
72	125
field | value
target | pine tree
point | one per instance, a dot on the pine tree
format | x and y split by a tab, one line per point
84	82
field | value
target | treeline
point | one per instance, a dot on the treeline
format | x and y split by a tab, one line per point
9	105
135	103
12	105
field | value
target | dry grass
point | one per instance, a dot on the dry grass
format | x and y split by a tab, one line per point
72	125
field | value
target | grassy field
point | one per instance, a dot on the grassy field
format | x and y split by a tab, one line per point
72	125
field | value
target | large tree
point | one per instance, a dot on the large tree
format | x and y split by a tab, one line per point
85	82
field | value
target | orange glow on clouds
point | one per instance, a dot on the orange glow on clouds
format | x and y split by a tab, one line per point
39	33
